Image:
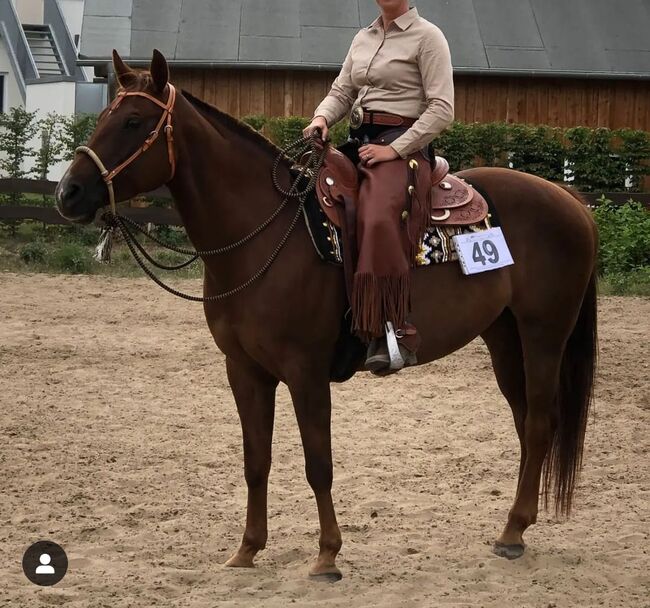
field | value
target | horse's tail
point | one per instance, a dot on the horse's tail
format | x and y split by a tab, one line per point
575	394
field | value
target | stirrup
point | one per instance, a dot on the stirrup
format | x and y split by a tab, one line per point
396	360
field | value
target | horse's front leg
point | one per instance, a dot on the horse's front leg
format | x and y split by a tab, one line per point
310	391
254	392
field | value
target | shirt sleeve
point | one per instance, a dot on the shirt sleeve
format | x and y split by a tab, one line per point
342	95
434	62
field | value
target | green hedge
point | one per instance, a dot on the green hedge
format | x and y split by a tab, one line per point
598	159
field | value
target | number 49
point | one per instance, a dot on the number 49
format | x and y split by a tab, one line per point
486	248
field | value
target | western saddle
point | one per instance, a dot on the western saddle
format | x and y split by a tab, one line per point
454	202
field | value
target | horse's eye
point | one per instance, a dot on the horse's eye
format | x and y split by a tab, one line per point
133	122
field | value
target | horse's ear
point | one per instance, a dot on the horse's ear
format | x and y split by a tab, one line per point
159	70
125	75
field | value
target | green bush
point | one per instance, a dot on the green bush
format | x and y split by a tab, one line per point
33	253
593	160
72	258
457	145
635	283
538	150
284	131
624	237
256	121
491	143
635	155
170	235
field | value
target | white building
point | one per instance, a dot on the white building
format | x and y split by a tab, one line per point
38	59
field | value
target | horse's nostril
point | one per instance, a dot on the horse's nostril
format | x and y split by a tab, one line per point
72	193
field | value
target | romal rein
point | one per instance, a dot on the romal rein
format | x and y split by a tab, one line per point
310	168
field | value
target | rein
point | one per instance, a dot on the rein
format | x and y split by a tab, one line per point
308	147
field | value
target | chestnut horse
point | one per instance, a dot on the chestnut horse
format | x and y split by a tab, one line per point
538	317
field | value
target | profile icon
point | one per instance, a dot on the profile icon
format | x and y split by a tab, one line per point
45	567
45	563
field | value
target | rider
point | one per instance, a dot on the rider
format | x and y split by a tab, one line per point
397	80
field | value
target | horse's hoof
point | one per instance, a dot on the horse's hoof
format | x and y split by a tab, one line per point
237	561
326	577
508	551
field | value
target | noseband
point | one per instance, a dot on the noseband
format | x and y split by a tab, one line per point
165	119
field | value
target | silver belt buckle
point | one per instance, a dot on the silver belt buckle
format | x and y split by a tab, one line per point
356	117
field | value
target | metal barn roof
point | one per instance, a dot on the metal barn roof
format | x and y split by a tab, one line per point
582	38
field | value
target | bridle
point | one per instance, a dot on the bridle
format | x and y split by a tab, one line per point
303	183
165	119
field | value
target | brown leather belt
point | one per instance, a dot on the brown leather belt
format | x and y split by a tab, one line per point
391	120
359	117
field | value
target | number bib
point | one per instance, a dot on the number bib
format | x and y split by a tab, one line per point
482	251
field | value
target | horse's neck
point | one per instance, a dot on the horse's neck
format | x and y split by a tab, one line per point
223	187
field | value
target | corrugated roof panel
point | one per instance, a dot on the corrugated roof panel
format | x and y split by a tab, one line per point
210	31
580	36
326	44
270	18
508	23
157	16
517	58
108	33
458	22
269	48
332	13
144	41
108	8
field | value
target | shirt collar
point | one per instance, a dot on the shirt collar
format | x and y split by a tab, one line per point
403	22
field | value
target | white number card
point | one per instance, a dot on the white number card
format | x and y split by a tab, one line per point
482	251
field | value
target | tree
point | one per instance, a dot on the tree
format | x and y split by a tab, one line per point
52	146
76	132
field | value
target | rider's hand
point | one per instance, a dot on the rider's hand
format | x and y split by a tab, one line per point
371	154
319	122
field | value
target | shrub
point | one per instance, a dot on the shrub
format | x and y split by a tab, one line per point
76	131
491	143
635	155
72	258
284	131
457	145
593	160
538	150
33	252
256	121
624	236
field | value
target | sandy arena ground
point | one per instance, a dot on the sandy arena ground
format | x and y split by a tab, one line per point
120	441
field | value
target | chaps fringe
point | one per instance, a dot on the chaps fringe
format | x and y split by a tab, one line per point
376	300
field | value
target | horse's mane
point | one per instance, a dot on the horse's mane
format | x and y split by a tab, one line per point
144	83
247	132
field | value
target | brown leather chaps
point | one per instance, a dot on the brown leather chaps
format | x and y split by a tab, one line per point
392	218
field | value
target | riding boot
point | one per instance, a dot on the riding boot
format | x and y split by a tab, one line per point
378	359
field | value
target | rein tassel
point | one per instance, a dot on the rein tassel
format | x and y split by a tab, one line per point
105	246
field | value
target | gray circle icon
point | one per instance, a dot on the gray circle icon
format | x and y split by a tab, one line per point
45	563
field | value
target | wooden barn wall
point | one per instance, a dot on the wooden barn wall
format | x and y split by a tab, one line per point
554	101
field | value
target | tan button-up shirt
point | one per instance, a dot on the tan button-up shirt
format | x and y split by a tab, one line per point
405	70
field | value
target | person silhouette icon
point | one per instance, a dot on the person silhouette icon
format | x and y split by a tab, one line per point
45	567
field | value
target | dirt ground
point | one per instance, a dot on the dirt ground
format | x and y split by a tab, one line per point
121	442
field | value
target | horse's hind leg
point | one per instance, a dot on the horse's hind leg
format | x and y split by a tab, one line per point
504	344
543	348
254	392
312	402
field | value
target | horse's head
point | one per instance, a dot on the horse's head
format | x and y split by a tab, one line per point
131	150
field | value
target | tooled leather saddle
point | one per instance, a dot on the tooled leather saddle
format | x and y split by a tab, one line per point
454	202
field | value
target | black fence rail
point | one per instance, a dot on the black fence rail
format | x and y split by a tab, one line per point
166	216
